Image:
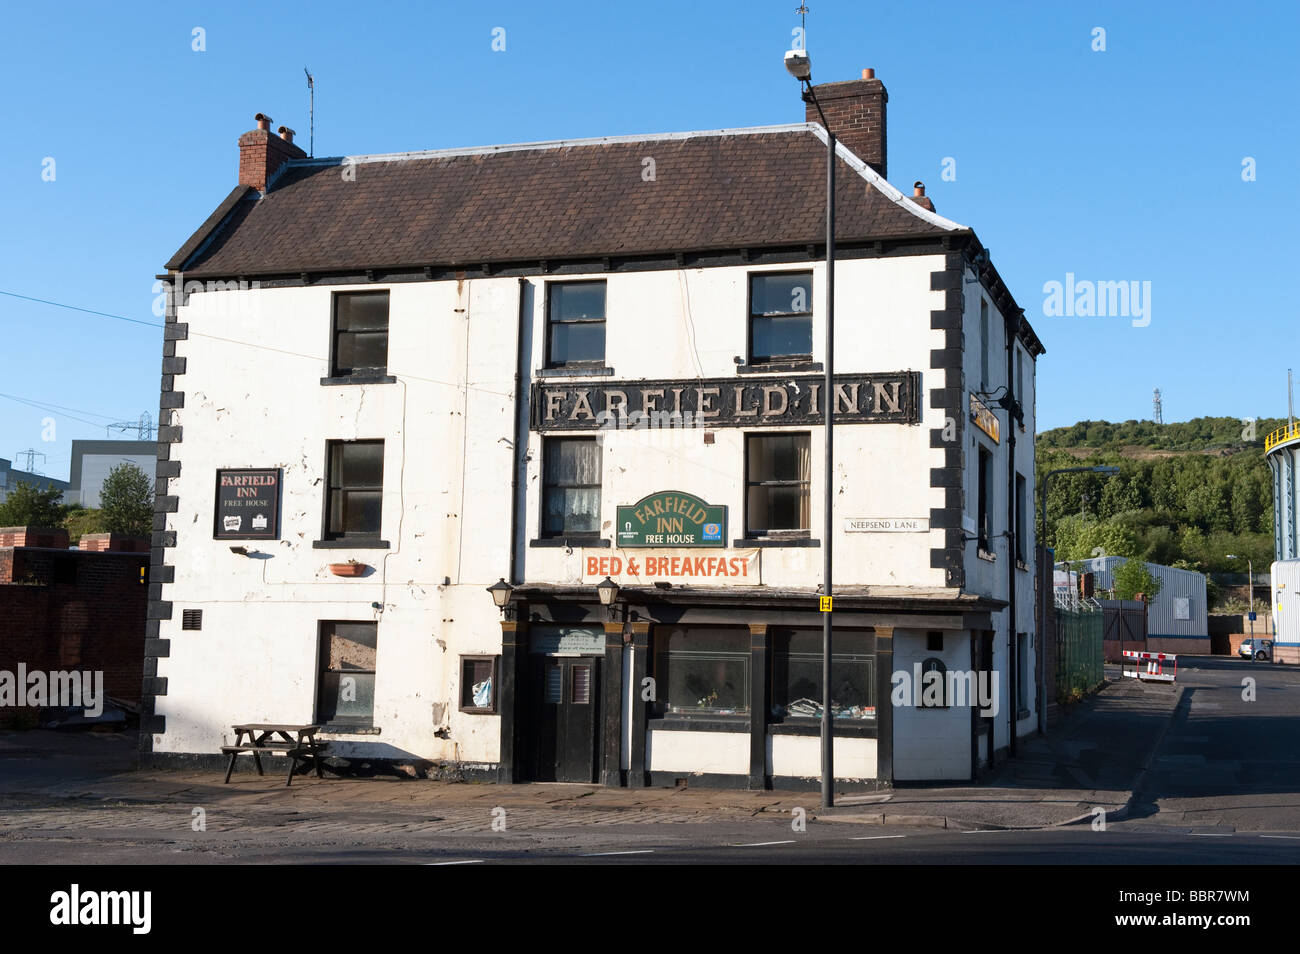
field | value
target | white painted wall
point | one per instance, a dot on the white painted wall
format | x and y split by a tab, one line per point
255	657
712	753
882	470
931	743
800	756
253	399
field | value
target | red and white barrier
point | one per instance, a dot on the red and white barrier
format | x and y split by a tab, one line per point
1150	667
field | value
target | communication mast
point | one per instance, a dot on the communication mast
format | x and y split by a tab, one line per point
1157	408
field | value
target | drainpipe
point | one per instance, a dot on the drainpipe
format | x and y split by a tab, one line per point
520	450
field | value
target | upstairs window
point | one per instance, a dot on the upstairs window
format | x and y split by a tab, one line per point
575	324
1022	538
571	491
778	475
984	522
360	334
780	317
355	489
985	345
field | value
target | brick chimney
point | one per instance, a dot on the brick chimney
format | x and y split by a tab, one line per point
262	153
855	110
919	196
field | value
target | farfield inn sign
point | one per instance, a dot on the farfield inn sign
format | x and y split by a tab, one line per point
885	398
671	519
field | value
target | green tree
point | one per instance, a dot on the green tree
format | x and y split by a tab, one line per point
29	506
126	501
80	521
1131	578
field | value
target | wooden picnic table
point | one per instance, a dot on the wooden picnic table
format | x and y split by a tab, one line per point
294	741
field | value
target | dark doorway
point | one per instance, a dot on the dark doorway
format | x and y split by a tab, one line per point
561	735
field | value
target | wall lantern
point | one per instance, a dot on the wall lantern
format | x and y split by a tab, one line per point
607	590
501	591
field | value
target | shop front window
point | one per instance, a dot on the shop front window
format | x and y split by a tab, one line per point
702	670
797	675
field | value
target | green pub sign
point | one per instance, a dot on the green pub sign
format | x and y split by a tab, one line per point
670	518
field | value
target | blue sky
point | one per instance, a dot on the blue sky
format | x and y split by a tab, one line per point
1122	165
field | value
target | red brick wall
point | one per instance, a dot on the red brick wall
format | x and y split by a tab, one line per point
33	537
95	621
100	542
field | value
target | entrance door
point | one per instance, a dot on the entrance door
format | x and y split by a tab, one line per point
566	690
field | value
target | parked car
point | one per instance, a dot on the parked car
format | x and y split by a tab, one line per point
1256	649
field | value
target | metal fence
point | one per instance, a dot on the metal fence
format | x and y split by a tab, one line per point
1078	649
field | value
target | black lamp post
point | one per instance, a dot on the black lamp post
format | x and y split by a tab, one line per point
800	67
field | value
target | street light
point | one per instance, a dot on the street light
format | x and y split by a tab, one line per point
1107	470
800	67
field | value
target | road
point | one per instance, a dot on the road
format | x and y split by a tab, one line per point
1221	787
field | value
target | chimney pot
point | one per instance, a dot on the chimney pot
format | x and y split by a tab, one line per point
285	133
918	188
263	121
869	73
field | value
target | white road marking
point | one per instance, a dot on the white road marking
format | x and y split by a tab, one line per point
603	854
471	861
763	844
1288	837
984	831
1210	834
876	837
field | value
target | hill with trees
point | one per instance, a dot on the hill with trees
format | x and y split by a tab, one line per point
1187	494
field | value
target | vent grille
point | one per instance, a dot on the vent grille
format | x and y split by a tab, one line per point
192	619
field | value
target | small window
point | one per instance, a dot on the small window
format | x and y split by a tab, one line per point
797	675
575	320
360	334
934	642
702	670
984	528
778	475
346	691
478	684
780	317
356	489
192	619
580	692
1021	511
571	495
932	693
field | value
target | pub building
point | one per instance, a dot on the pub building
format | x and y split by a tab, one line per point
507	461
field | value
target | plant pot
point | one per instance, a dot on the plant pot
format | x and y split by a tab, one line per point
348	569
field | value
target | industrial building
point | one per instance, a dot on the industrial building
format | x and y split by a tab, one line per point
1178	616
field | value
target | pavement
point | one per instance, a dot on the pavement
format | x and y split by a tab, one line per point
1159	754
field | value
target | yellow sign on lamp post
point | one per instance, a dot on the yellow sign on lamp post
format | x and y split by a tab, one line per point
825	602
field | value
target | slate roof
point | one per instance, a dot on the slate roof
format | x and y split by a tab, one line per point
725	189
